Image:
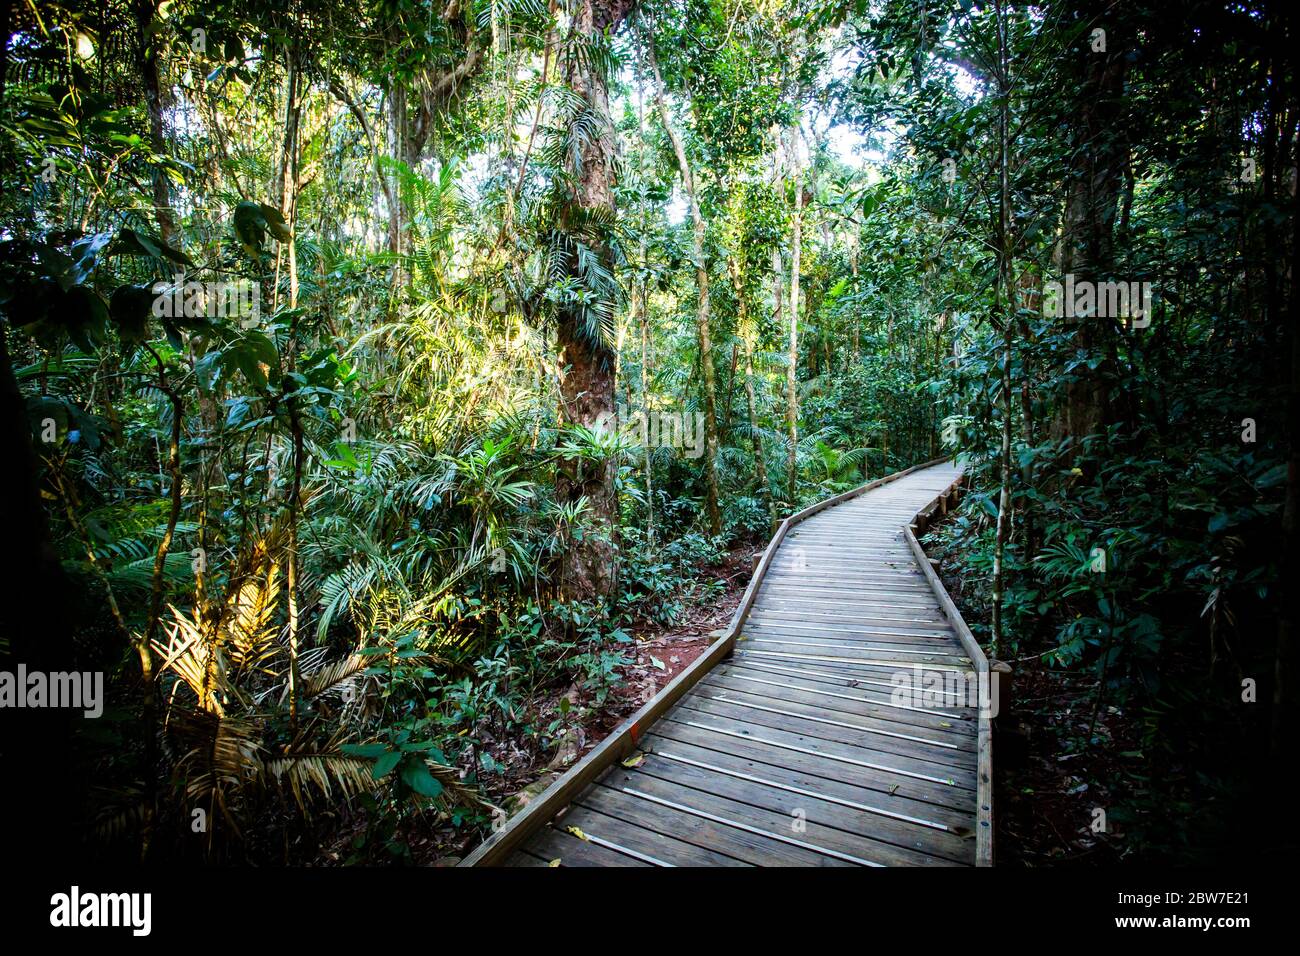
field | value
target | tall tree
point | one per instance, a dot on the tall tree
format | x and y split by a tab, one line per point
792	356
583	329
704	337
1098	169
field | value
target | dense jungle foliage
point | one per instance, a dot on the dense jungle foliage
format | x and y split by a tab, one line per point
373	373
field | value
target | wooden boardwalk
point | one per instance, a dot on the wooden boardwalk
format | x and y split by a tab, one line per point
788	743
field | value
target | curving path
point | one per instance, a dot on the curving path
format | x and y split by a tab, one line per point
831	725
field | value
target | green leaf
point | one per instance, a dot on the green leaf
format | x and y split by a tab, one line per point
385	764
415	774
131	242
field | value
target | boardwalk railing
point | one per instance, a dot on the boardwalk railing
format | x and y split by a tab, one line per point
620	744
987	674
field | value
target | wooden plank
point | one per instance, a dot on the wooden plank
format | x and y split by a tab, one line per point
860	629
867	791
783	845
929	742
836	554
655	844
812	595
945	699
839	587
811	575
879	631
951	703
846	651
885	627
811	592
849	829
844	608
830	529
894	652
879	752
892	571
842	699
554	843
867	670
840	611
887	674
704	828
520	858
775	750
894	646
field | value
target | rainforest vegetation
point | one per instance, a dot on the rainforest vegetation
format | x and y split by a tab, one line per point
375	375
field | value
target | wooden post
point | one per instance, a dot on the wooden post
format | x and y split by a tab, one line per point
1003	674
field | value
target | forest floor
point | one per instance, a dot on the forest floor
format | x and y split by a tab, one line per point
657	656
1049	784
1056	757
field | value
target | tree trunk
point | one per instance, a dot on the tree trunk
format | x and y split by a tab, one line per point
792	369
1096	181
147	59
703	334
643	314
1002	306
589	567
744	327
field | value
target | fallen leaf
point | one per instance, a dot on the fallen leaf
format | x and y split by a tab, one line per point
555	862
578	833
634	761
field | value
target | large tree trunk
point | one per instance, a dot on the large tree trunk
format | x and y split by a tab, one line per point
1097	175
589	568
